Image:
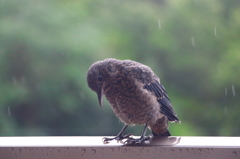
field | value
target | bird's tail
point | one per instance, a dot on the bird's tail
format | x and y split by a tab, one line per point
160	128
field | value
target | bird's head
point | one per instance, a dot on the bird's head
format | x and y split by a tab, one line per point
96	77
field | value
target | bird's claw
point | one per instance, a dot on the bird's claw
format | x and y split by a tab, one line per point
118	138
137	141
106	140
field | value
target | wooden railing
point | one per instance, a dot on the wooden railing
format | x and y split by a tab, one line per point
86	147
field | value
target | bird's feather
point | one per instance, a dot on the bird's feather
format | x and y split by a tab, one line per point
152	83
162	97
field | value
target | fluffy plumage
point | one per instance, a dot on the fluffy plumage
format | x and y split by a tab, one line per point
135	94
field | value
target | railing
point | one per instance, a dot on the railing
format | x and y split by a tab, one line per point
86	147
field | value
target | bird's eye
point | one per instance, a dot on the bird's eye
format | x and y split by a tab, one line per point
100	78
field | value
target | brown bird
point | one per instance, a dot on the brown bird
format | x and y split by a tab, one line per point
135	94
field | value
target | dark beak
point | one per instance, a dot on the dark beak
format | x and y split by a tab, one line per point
100	97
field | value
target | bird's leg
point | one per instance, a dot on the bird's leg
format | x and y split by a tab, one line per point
119	137
141	139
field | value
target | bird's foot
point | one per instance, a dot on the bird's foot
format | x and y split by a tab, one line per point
140	140
118	138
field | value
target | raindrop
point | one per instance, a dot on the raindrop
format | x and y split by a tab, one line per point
207	150
233	90
9	111
159	24
83	151
93	151
125	150
226	91
199	150
129	150
112	149
193	42
234	153
215	31
180	150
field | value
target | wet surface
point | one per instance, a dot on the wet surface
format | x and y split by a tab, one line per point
93	147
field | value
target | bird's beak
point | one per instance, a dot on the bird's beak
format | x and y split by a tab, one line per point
100	97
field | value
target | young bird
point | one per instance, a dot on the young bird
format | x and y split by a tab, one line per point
135	94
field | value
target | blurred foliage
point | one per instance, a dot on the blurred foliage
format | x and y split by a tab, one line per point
47	46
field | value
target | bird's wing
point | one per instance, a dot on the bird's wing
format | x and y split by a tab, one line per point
163	99
151	82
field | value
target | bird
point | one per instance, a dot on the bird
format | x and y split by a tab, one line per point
135	94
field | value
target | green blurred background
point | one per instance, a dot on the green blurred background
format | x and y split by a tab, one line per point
47	46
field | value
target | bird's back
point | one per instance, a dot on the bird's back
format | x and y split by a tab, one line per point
125	91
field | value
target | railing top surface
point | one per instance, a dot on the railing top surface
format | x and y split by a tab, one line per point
96	141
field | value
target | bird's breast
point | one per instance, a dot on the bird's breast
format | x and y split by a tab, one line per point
132	104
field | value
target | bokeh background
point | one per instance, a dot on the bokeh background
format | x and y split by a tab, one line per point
47	46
